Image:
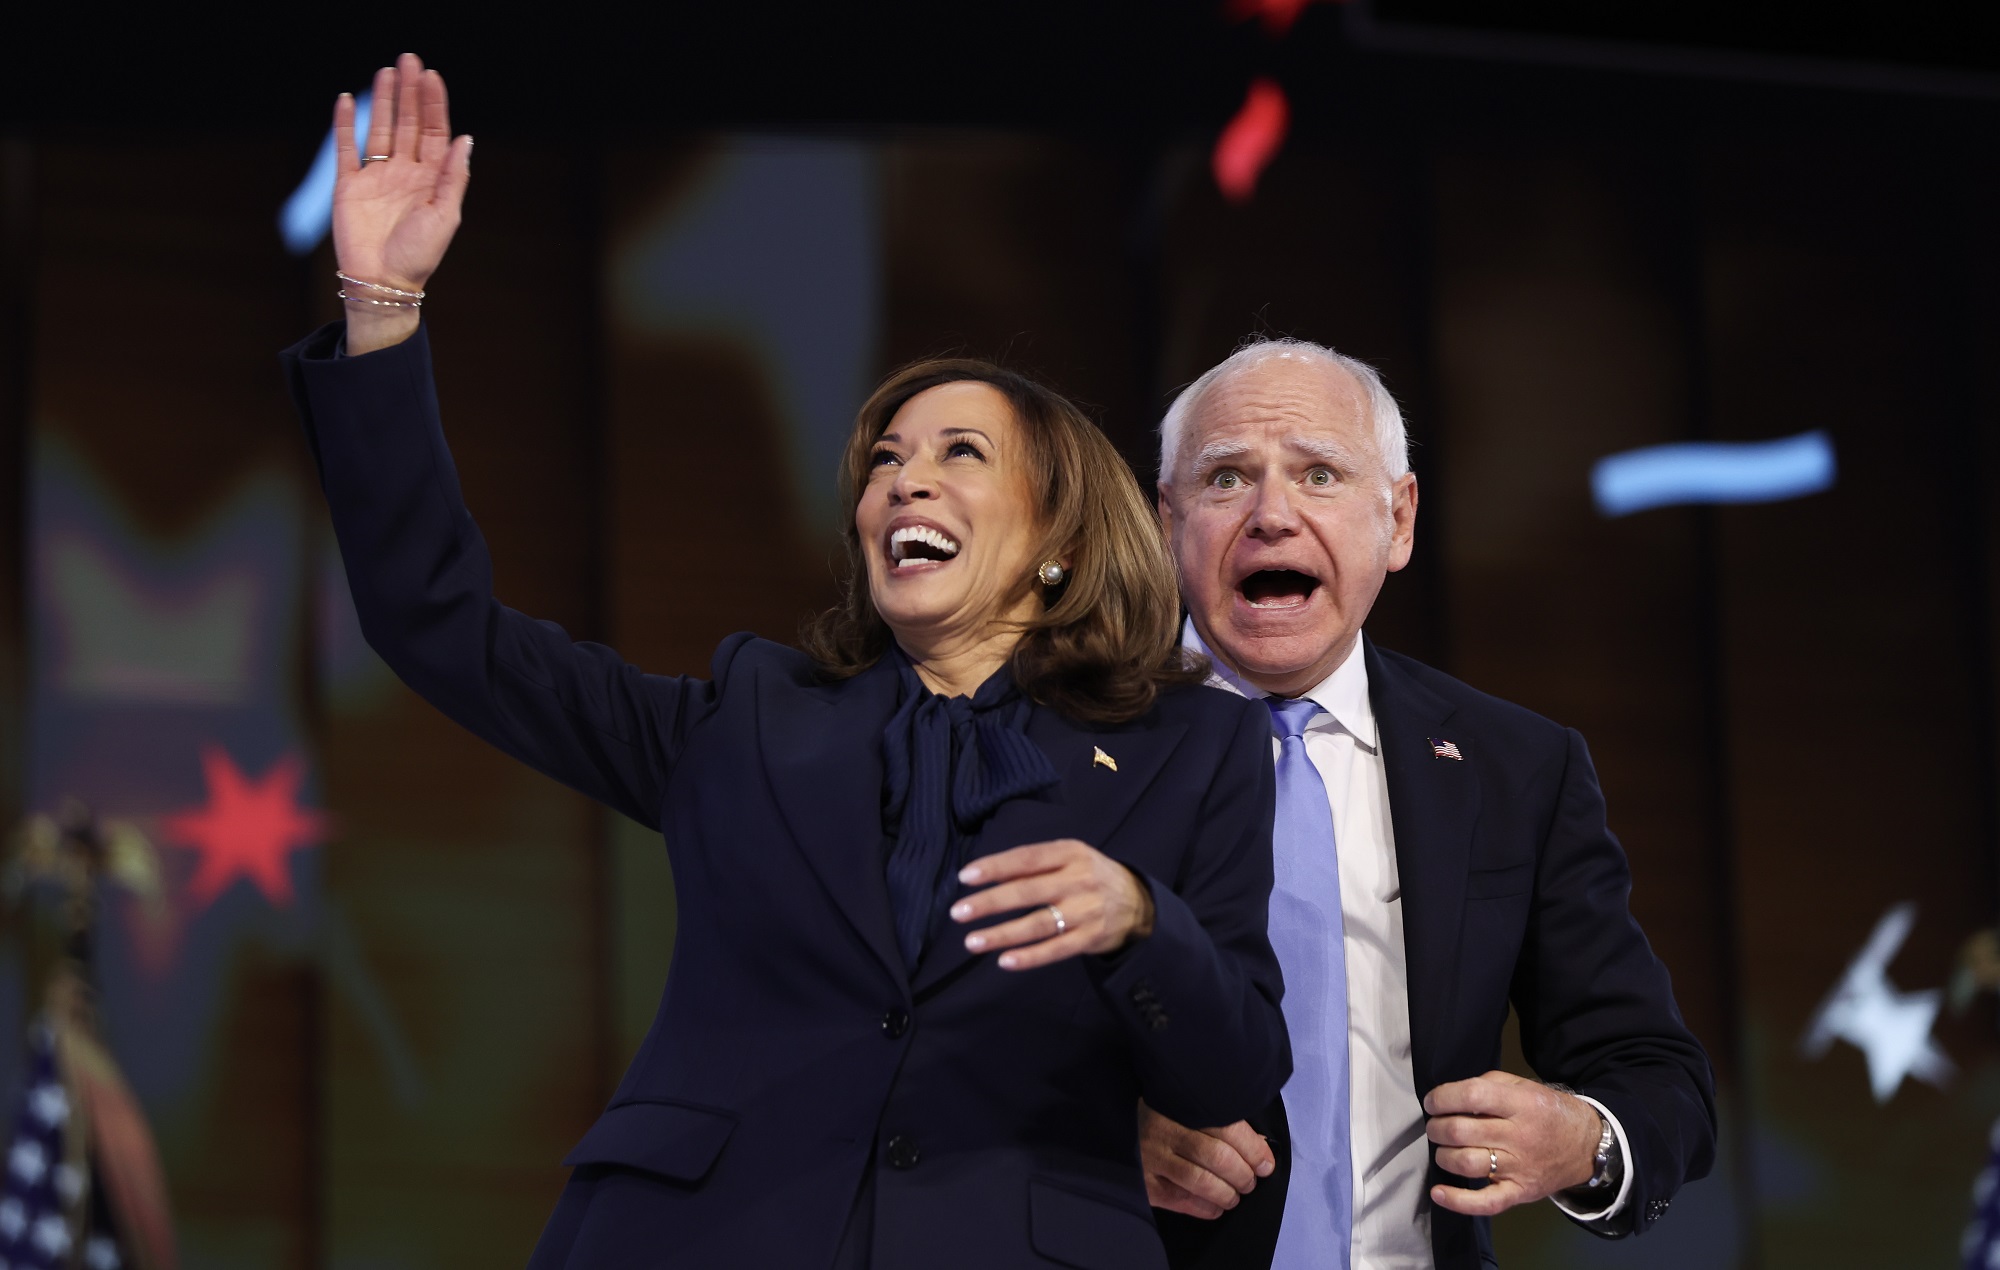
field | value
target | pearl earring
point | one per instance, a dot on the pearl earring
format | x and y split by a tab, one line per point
1051	573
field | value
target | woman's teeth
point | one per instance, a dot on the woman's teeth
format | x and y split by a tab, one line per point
920	544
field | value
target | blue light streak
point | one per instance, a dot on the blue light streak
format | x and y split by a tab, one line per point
308	213
1713	472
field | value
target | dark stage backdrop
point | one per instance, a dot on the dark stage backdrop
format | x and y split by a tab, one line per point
372	1048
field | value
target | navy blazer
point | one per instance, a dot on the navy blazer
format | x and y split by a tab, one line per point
982	1118
1513	890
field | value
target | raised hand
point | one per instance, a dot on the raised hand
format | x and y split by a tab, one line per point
1083	901
394	215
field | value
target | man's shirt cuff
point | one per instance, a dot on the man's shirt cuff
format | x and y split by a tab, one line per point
1624	1185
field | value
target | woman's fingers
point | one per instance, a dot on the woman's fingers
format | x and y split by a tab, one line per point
1095	894
434	122
1016	862
1038	923
409	111
382	117
453	177
1047	952
344	159
1007	897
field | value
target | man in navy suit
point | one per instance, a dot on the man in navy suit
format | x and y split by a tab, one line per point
1439	853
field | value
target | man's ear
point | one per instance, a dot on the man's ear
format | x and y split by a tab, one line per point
1166	508
1403	512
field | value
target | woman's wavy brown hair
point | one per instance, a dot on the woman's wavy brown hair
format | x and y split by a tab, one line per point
1109	637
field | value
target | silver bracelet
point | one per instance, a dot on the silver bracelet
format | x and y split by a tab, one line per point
380	304
398	292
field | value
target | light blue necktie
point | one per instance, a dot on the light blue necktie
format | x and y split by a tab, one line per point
1306	935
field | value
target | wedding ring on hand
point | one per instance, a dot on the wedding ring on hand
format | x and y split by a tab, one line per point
1062	924
367	159
1493	1169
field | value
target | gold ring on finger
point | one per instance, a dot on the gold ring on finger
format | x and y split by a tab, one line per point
1062	923
367	159
1493	1169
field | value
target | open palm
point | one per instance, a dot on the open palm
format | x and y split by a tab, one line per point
394	215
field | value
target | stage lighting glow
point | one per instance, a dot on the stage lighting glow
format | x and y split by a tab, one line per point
1713	472
308	213
1251	140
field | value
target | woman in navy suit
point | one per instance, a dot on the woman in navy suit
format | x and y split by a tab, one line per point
959	884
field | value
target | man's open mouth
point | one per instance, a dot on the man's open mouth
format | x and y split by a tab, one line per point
1278	588
920	544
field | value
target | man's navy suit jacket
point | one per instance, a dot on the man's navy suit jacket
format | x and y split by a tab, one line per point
1513	890
987	1119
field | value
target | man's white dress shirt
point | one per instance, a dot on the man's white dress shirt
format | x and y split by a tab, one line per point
1392	1228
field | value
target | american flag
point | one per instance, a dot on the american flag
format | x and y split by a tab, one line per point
45	1200
1444	749
1981	1244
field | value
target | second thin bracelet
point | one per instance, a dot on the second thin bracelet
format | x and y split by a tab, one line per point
416	297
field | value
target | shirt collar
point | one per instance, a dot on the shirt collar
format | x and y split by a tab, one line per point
1342	694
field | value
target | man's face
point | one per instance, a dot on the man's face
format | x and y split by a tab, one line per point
1283	520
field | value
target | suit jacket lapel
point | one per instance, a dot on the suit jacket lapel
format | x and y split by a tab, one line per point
823	750
1433	805
1090	804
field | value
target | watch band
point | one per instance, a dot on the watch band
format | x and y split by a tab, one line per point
1604	1171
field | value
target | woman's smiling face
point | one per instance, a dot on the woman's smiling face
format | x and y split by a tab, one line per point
947	521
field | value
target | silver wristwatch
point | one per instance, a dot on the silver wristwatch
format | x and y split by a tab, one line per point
1607	1165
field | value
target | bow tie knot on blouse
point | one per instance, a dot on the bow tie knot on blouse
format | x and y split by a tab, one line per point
948	763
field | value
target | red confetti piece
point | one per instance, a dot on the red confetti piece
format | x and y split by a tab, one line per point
1251	140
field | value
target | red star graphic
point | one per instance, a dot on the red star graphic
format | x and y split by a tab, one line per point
248	829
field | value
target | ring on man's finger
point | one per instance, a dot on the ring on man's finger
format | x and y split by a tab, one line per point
367	159
1062	923
1493	1169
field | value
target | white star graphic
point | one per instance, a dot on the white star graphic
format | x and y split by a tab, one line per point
48	1104
13	1219
70	1183
27	1162
100	1253
1892	1029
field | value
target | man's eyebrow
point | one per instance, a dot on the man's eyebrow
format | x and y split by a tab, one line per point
1320	448
1217	451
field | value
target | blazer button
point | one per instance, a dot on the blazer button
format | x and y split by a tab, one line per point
894	1024
903	1153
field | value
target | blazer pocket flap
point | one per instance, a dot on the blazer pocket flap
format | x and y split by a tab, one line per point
1090	1234
668	1138
1510	879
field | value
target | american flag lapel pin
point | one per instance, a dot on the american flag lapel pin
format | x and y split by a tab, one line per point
1445	749
1102	759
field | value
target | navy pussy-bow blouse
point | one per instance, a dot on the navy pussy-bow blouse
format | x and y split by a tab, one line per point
948	763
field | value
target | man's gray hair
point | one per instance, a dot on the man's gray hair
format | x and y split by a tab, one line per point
1390	437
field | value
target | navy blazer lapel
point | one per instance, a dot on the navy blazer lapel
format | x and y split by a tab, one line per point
823	749
1433	805
1091	803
